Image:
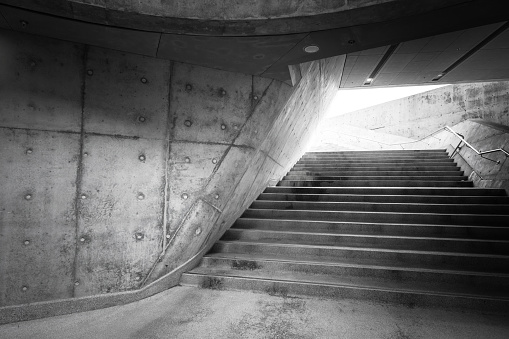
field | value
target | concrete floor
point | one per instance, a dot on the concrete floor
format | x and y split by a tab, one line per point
188	312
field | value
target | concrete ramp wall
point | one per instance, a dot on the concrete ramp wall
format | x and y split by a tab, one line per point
419	115
117	168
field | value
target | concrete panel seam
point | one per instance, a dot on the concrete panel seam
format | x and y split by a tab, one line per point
252	109
215	207
271	158
27	130
169	135
212	143
79	170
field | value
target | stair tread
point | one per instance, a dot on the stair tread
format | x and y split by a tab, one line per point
365	282
376	212
347	263
370	249
401	237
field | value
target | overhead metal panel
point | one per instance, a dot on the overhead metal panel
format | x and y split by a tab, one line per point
139	42
358	69
483	65
435	55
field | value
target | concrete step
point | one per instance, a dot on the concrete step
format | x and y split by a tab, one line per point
399	152
352	273
374	177
460	245
402	258
374	168
382	207
377	158
302	174
375	228
371	156
443	191
384	217
412	298
374	183
397	226
387	198
376	161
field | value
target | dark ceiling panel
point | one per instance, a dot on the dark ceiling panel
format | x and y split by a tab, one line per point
359	67
412	46
435	55
251	55
485	65
351	39
372	51
3	22
120	39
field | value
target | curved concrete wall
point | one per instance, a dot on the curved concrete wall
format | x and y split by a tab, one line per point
117	168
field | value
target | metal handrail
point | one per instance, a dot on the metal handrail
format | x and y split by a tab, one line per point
473	148
448	129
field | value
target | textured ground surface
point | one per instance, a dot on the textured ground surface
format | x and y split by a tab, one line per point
187	312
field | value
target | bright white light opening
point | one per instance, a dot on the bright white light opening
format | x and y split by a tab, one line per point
349	100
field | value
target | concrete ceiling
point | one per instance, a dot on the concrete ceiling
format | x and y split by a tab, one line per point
395	41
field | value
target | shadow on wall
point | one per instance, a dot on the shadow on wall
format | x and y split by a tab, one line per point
121	167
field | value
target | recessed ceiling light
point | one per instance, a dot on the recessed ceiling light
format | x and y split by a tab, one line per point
438	77
368	81
311	49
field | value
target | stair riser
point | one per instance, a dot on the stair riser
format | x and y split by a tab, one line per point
404	218
370	157
343	292
376	173
339	164
497	285
472	232
381	207
382	152
370	178
377	159
459	246
376	166
330	254
411	199
449	191
355	169
373	183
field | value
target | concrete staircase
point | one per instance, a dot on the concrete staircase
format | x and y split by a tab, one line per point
390	226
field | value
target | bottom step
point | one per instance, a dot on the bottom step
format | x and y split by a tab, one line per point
295	288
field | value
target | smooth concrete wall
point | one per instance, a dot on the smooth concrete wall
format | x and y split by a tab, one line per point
117	168
419	115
